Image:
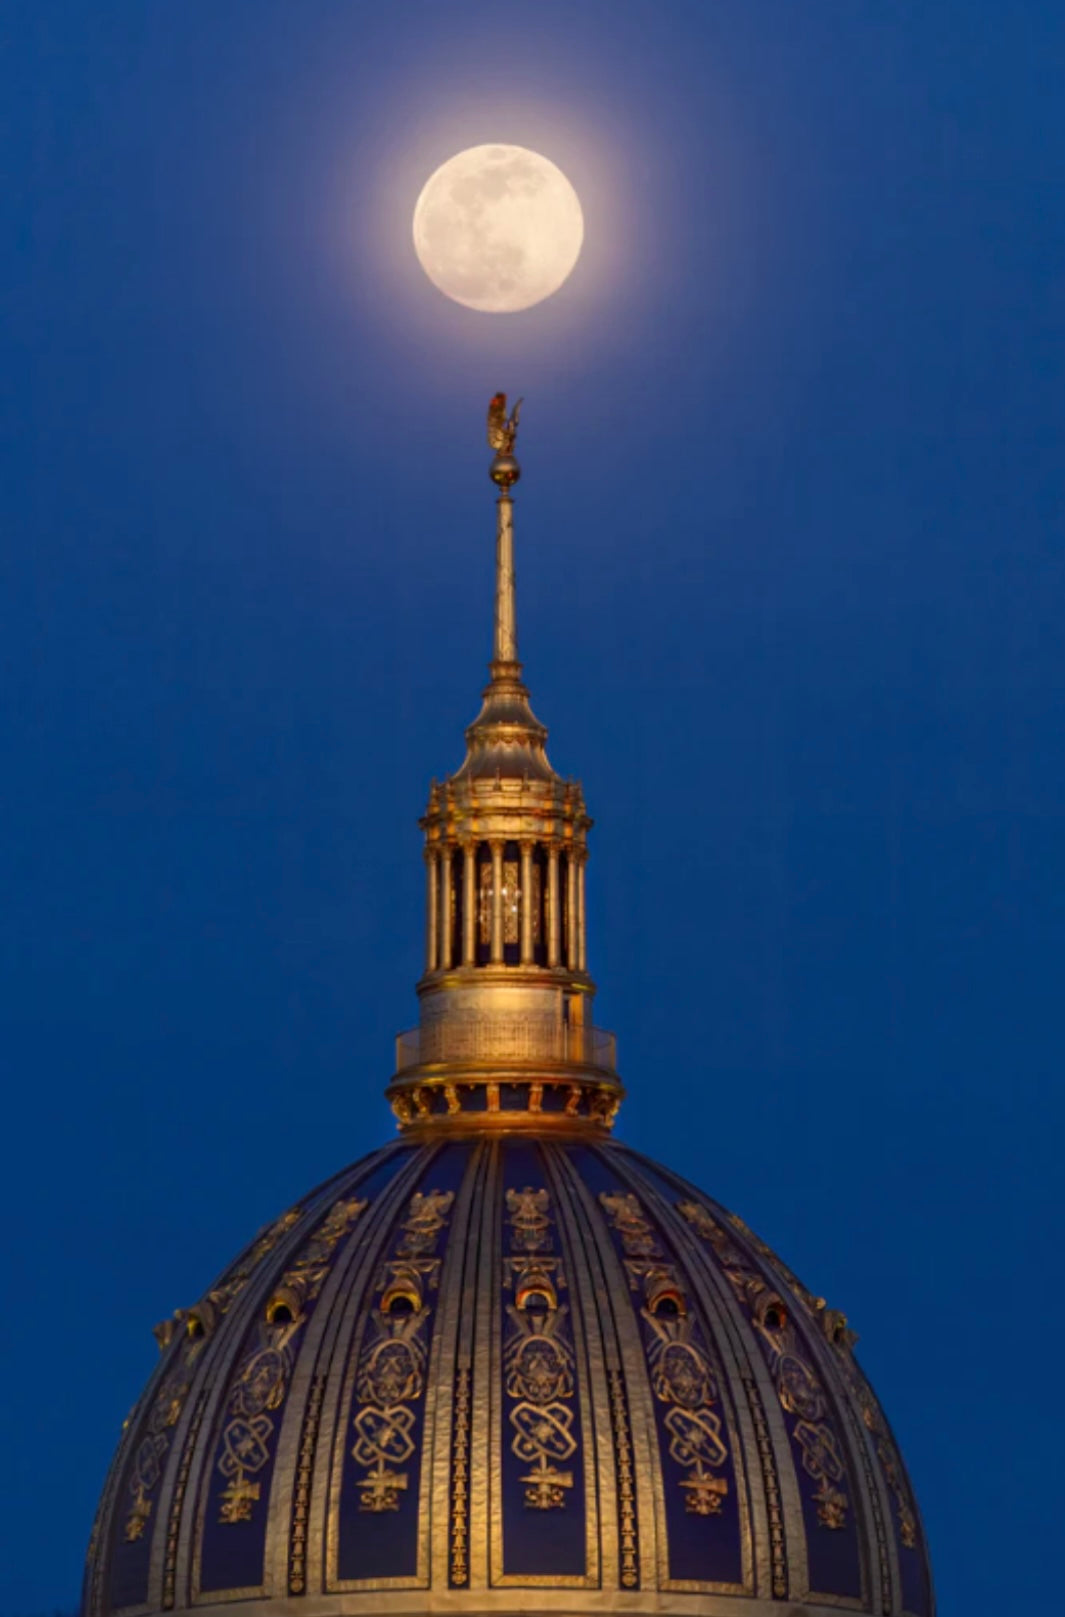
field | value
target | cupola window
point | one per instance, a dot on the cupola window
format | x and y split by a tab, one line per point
539	893
484	905
511	900
458	904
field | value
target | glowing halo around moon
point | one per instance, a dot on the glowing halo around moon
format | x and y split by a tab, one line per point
498	228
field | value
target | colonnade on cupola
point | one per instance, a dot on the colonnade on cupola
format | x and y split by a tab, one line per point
505	901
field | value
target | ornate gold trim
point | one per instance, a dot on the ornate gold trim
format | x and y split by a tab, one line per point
460	1480
683	1377
798	1385
777	1547
177	1503
386	1376
877	1512
262	1381
297	1561
726	1348
392	1373
531	1264
350	1331
457	1098
628	1544
838	1342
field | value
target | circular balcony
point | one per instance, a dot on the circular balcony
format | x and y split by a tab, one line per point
520	1070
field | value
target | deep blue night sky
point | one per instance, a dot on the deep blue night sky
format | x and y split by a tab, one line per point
790	572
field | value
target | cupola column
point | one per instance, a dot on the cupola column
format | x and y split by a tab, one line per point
496	952
469	904
571	909
445	907
431	877
526	903
554	914
582	940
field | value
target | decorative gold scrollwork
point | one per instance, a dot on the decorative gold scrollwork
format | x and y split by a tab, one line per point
797	1382
263	1375
384	1440
391	1372
196	1324
538	1353
681	1375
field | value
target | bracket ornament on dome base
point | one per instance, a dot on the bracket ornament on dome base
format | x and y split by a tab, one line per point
505	1101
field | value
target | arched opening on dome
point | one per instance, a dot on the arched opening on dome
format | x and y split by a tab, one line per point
775	1317
667	1302
399	1302
284	1307
537	1297
199	1322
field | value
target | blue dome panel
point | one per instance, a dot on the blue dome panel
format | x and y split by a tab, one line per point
499	1364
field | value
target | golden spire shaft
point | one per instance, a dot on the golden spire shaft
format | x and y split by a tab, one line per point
504	472
505	649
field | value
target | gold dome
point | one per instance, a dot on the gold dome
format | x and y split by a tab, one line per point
505	1364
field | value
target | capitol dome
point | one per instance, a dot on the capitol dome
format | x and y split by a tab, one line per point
507	1364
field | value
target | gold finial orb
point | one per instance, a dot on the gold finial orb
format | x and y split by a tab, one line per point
504	472
502	431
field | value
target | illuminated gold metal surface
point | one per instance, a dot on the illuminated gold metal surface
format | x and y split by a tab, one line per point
358	1324
666	1374
262	1381
505	995
537	1317
681	1377
798	1384
297	1569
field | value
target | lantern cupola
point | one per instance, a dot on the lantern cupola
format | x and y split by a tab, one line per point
506	1034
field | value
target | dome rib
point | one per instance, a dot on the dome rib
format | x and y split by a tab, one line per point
727	1357
790	1572
311	1414
626	1457
881	1489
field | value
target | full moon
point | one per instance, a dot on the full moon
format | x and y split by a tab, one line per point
498	228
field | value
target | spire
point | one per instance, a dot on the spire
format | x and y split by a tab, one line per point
504	472
505	649
505	1037
506	740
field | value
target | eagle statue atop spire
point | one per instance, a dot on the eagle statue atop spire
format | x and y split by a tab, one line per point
502	430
